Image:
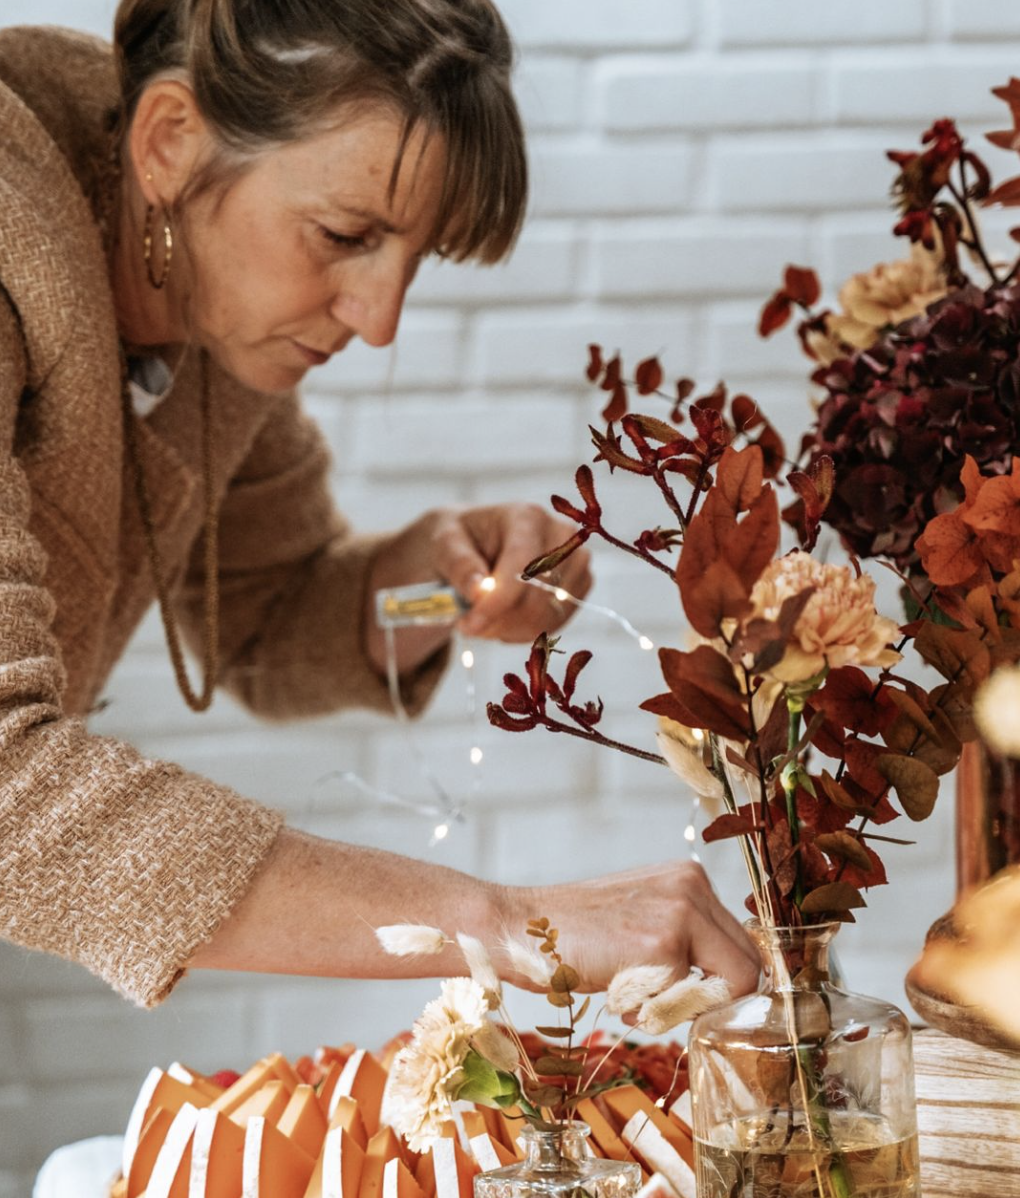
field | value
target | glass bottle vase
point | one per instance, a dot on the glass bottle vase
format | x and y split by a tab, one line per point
803	1090
559	1164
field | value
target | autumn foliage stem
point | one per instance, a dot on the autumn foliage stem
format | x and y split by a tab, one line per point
973	242
597	738
633	549
671	500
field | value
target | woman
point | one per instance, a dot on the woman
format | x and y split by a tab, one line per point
183	233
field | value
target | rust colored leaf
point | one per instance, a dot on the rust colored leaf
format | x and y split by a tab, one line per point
669	705
957	654
996	507
594	362
834	896
949	549
850	698
836	793
704	683
554	1032
775	314
801	284
912	712
723	827
979	603
613	374
753	543
745	412
739	476
1007	194
714	596
616	409
916	784
648	376
844	846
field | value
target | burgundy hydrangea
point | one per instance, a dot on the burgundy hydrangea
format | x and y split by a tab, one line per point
898	418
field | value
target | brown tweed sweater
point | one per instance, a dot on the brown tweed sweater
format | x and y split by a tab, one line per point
121	863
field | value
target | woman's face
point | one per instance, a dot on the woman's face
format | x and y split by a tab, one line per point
308	249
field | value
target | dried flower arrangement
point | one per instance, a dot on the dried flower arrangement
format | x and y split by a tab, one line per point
456	1052
790	708
911	459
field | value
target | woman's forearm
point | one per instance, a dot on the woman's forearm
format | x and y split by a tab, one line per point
314	905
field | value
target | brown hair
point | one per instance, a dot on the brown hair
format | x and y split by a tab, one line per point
267	72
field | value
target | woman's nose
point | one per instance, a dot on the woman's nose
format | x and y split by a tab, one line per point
370	302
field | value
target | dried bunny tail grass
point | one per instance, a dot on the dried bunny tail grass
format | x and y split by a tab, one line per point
410	939
482	969
682	1002
635	985
527	960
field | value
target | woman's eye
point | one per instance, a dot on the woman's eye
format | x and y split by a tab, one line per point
347	240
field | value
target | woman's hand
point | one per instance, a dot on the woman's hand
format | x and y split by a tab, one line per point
656	915
464	546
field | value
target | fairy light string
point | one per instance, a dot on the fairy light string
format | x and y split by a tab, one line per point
443	809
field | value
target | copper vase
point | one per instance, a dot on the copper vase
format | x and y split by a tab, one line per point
987	815
987	840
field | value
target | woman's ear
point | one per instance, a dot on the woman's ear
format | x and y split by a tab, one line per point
167	140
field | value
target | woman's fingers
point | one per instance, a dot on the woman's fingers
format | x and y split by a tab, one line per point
656	915
499	542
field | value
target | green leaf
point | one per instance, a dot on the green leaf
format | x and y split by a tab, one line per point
486	1084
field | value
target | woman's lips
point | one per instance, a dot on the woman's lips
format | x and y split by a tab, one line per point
312	356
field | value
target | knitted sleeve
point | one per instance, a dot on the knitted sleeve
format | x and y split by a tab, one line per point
292	585
122	864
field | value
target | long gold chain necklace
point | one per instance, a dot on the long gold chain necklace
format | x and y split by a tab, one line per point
211	605
105	196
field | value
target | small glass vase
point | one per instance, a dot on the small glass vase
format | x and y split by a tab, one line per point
803	1090
559	1163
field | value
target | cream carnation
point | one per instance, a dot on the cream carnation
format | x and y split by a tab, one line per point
838	627
997	711
428	1073
876	299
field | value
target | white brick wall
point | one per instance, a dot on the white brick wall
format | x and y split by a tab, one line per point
684	151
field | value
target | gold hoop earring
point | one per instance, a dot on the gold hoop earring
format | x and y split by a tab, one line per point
168	247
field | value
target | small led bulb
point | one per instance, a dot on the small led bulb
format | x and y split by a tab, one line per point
487	584
467	659
441	831
645	643
562	595
690	834
476	755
